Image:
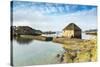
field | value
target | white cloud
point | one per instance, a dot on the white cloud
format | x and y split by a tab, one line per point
84	19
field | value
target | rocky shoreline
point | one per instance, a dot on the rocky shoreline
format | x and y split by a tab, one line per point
78	50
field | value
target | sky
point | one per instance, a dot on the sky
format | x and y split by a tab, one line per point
53	16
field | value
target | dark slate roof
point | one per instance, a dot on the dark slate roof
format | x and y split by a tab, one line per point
72	26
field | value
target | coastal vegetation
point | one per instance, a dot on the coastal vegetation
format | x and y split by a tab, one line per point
24	30
78	50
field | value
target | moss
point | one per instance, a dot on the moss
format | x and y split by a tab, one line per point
67	58
84	56
85	51
94	54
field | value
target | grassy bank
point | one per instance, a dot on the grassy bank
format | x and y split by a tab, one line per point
42	38
33	37
78	50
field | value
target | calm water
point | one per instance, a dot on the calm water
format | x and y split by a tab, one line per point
33	52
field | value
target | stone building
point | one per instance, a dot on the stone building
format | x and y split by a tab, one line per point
72	31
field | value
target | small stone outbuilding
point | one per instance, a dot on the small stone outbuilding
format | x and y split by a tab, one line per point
72	31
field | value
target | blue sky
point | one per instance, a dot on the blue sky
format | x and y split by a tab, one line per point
53	16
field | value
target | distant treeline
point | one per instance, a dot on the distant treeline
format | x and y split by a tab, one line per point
26	30
91	30
49	32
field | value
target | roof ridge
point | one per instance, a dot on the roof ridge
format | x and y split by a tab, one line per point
72	26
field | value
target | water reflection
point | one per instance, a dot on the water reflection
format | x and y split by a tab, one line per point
23	41
36	52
